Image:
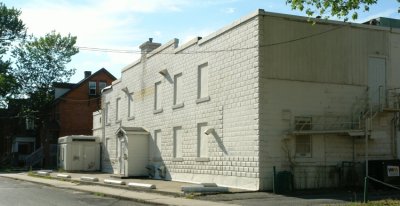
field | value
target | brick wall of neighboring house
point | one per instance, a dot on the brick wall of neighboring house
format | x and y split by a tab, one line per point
72	112
75	109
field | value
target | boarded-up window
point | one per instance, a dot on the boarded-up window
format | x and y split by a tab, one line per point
202	90
178	89
157	96
118	110
202	140
303	145
178	142
130	106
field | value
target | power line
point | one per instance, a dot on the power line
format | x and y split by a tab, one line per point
108	50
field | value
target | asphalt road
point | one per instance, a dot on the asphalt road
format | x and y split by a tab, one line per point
15	192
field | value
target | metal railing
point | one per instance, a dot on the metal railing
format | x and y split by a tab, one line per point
361	109
34	158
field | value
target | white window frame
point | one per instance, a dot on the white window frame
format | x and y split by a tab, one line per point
92	88
203	83
131	107
178	91
177	142
157	98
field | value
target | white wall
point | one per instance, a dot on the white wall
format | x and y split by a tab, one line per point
321	74
231	108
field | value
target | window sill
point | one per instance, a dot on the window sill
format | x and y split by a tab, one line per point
131	118
108	124
203	99
177	106
308	155
158	111
177	159
118	121
202	159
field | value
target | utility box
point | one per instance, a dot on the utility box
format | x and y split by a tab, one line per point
79	153
132	151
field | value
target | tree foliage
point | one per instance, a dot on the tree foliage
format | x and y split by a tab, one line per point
11	29
40	62
334	8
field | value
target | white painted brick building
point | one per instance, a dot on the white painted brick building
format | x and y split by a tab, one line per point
271	89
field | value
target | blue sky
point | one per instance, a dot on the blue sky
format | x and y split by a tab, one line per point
125	24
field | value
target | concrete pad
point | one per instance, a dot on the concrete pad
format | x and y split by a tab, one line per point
63	176
89	179
114	182
43	173
141	185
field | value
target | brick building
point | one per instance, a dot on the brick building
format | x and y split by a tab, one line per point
269	90
73	107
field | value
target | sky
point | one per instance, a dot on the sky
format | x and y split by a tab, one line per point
123	25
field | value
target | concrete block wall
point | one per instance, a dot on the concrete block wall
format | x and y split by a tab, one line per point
232	108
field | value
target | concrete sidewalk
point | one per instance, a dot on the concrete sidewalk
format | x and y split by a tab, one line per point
118	192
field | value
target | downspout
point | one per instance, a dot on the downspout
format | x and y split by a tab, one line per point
103	130
393	136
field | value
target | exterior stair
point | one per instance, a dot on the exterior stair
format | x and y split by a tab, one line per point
34	158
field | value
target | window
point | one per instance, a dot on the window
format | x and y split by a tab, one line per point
107	144
303	146
303	123
130	106
177	142
29	123
107	113
157	145
202	140
118	110
102	85
178	89
157	98
92	88
202	83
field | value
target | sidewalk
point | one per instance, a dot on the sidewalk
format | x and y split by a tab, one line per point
167	192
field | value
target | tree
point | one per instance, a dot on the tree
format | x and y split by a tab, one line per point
336	8
11	29
41	61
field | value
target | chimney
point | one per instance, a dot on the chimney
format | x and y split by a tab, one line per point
148	46
87	74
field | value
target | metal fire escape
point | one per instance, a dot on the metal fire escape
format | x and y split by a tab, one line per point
352	124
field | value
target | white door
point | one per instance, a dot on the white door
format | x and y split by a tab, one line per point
377	81
122	156
89	163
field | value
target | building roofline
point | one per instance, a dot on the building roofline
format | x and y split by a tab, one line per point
260	12
85	80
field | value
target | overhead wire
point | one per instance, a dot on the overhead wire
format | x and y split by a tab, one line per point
109	50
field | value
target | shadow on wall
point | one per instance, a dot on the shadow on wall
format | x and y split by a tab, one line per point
156	167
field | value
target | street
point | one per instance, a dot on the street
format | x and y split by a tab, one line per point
15	192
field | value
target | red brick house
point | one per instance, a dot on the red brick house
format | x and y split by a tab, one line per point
72	110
